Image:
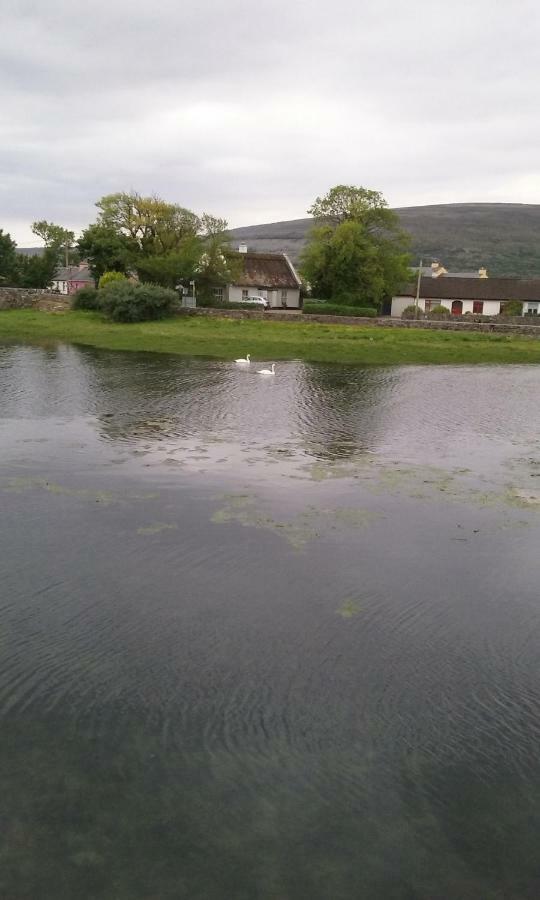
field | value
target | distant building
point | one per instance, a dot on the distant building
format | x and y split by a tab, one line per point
70	279
268	275
436	269
479	295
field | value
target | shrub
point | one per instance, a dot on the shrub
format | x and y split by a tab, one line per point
349	298
412	312
511	308
336	309
126	302
86	298
110	277
439	312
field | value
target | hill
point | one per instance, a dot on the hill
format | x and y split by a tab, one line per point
504	237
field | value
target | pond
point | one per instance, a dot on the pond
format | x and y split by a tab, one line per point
267	638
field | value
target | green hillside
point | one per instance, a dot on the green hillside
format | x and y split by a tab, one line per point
504	237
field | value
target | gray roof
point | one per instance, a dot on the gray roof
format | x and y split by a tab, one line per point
444	288
73	273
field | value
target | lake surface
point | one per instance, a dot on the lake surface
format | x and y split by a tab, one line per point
267	639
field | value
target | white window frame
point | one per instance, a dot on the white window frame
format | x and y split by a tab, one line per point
218	293
245	293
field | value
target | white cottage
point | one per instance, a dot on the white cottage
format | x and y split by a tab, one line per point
479	295
268	275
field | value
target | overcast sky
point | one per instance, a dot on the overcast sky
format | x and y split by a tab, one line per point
249	110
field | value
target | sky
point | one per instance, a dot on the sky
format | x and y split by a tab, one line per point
251	110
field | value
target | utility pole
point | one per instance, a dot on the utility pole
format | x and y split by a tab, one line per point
418	289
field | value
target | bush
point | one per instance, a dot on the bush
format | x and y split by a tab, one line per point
412	312
86	298
336	309
126	302
511	308
439	312
110	278
349	298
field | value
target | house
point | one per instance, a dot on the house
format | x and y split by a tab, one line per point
69	279
479	295
437	270
268	275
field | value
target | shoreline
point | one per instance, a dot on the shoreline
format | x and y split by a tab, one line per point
227	337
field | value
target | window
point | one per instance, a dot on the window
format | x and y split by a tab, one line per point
245	293
218	294
283	296
428	305
532	309
478	307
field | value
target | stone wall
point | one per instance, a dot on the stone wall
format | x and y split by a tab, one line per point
26	298
516	325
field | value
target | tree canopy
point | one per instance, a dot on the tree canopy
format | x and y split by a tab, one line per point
8	258
357	252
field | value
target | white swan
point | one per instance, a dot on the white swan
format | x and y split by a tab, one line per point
243	362
271	371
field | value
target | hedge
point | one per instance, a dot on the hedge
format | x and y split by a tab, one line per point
336	309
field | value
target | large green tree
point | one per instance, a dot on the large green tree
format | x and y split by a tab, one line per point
9	269
357	252
38	271
153	226
105	250
56	238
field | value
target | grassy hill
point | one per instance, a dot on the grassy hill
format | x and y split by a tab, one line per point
504	237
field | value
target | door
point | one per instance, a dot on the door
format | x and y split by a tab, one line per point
457	307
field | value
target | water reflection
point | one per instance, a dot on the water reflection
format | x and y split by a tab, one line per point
267	639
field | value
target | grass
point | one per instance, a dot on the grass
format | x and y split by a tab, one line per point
267	340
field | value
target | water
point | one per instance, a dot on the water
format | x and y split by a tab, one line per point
267	639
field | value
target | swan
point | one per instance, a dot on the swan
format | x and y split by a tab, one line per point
271	371
243	362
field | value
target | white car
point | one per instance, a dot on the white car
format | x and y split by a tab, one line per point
256	300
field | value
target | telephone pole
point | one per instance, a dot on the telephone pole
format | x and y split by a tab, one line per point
418	289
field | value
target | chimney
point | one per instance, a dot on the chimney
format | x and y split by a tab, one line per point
242	248
437	269
482	272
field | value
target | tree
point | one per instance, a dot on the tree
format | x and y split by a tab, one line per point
345	203
357	254
105	250
38	271
9	268
152	226
55	238
217	265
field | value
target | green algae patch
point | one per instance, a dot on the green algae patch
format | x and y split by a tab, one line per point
349	608
243	510
156	528
20	485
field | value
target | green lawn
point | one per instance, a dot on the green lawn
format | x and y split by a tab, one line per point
267	340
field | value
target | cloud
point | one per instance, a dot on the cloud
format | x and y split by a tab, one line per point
251	111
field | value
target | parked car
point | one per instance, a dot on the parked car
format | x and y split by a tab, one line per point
256	300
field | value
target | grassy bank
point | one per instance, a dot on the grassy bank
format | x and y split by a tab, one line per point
267	340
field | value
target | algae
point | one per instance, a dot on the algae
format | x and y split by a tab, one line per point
156	528
349	608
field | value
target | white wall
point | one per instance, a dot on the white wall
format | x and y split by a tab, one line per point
401	303
293	296
60	286
491	307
